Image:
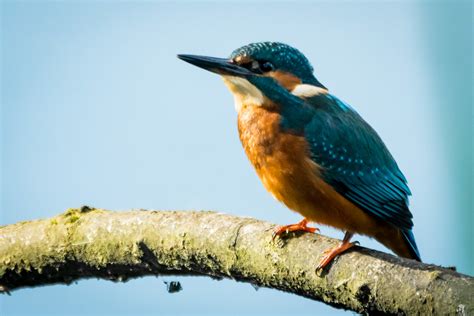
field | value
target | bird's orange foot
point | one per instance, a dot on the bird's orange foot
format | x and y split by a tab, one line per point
332	253
301	226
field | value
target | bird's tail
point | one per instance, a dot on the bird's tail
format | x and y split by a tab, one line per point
411	244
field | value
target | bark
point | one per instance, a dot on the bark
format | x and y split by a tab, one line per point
85	243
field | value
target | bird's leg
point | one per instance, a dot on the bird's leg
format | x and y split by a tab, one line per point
301	226
332	253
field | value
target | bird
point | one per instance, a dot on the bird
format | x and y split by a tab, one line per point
312	151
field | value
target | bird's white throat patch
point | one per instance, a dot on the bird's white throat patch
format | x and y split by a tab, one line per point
244	92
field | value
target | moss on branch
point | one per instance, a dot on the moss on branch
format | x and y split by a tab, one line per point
87	242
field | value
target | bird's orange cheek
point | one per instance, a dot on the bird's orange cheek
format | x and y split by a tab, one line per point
285	79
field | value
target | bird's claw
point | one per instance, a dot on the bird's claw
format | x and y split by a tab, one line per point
331	253
301	226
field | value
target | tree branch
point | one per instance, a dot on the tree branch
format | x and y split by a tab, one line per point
87	242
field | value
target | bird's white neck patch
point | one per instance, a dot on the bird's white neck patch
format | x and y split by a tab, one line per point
307	90
244	92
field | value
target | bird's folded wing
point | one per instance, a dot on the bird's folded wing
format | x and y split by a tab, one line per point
355	161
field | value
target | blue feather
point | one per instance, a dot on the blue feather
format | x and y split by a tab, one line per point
410	239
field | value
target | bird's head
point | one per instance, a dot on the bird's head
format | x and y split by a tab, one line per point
258	72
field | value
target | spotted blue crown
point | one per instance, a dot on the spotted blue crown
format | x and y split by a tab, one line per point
282	56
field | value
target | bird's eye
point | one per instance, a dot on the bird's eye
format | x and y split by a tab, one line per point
266	66
258	66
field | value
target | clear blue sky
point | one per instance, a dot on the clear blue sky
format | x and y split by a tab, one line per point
97	110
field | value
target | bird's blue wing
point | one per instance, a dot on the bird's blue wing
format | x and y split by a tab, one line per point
355	161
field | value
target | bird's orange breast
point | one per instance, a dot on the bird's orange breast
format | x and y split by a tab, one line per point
282	162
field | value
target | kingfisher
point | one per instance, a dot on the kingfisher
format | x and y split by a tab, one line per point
312	151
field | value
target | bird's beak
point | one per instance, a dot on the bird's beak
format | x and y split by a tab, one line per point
221	66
